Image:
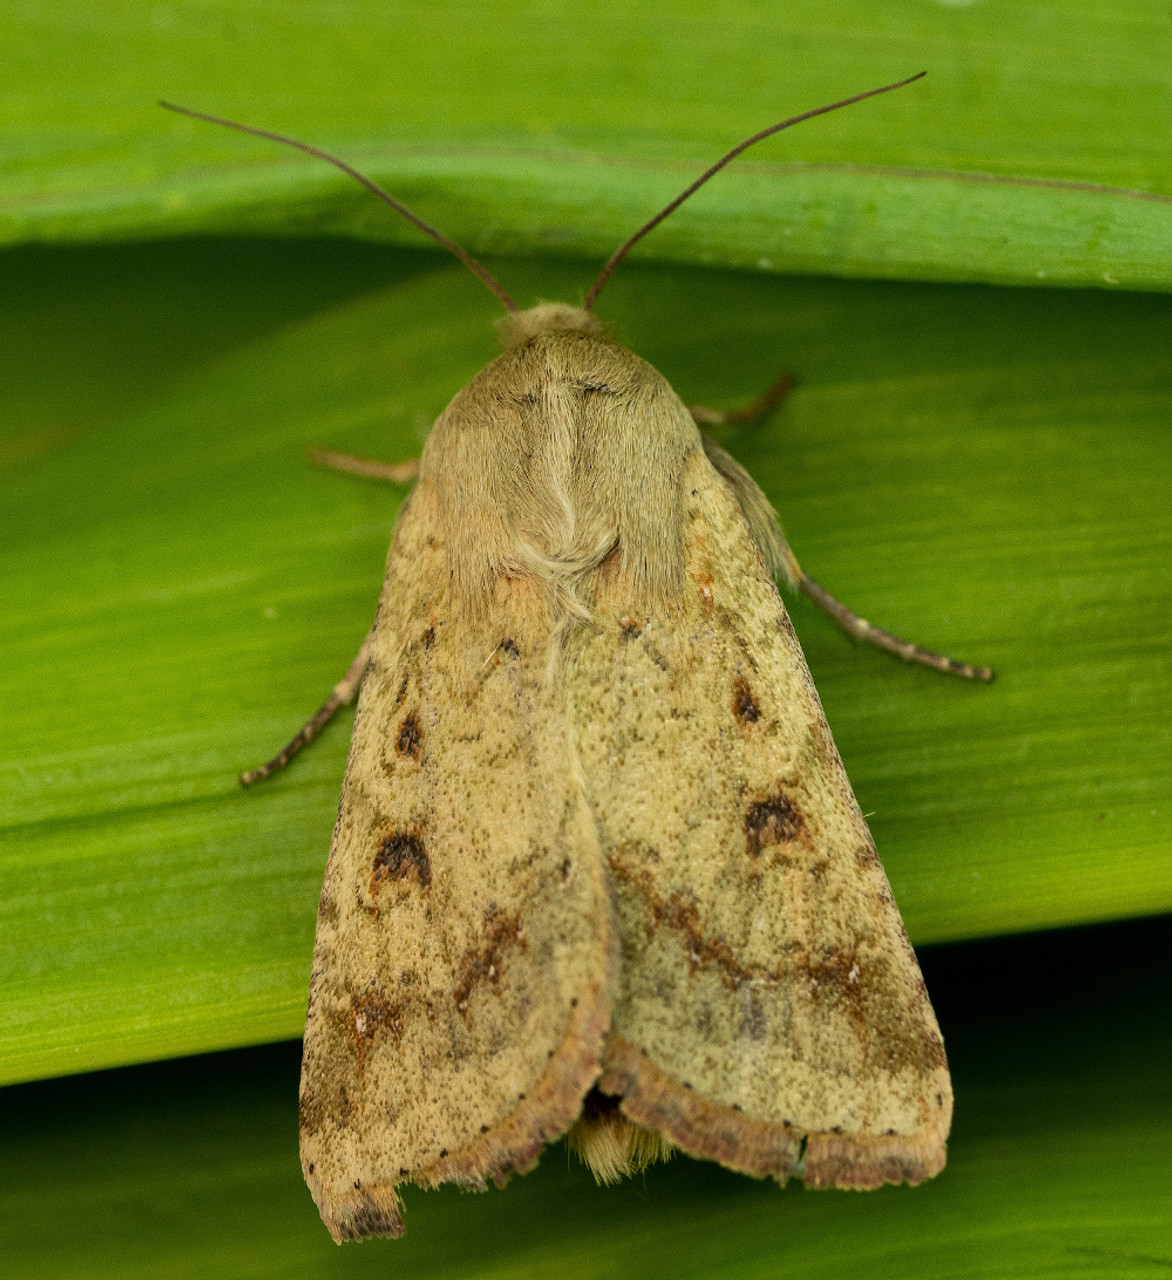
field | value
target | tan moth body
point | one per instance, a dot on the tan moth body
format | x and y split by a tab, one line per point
595	845
597	869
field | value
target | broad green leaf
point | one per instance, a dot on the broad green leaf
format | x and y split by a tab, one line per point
88	333
984	470
1058	1164
555	127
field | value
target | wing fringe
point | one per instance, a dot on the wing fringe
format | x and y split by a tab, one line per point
707	1130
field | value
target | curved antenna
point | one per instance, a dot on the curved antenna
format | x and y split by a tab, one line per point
621	252
465	257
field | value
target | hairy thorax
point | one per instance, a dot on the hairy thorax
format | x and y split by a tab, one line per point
564	451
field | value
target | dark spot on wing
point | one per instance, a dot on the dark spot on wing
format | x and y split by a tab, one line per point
774	821
510	647
401	856
429	637
629	628
744	705
410	737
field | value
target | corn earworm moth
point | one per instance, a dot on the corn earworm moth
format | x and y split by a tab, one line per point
597	868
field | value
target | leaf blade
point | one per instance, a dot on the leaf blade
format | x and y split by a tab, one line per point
182	589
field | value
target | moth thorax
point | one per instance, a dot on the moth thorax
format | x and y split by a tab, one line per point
520	327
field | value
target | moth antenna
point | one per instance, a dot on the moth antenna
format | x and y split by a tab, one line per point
465	257
621	252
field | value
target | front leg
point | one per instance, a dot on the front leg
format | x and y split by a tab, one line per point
346	689
368	468
344	692
768	400
783	564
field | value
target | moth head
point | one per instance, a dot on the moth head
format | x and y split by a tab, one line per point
515	328
519	326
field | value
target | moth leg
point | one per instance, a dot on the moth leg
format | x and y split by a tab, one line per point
399	472
766	531
861	629
344	692
769	399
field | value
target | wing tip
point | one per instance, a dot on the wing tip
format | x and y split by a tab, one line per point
367	1212
512	1146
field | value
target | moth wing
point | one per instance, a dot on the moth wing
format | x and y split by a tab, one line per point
772	1015
465	952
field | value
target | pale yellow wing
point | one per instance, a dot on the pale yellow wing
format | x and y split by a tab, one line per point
465	951
772	1015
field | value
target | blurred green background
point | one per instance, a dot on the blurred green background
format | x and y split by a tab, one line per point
970	281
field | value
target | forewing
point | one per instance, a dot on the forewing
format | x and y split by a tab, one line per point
465	950
772	1015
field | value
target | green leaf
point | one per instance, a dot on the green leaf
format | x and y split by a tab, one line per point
1058	1165
555	128
984	470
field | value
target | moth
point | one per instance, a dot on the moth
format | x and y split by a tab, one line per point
597	869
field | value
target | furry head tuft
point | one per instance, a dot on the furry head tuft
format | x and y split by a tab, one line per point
520	327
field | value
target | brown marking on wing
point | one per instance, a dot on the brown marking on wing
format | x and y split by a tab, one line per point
371	1014
410	737
681	914
629	628
401	856
744	704
853	983
776	820
502	930
848	980
310	1111
867	856
704	583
